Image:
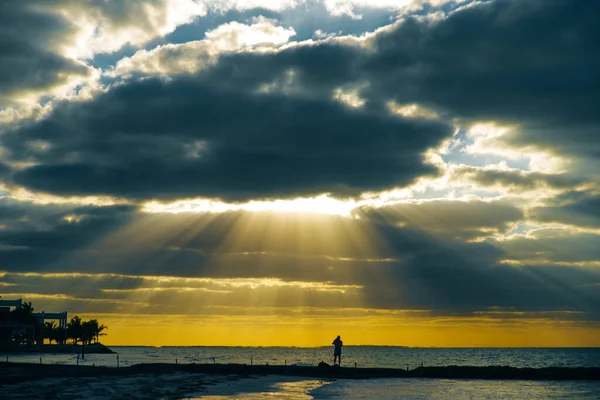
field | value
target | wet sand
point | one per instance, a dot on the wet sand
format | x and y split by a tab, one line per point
165	381
20	372
219	381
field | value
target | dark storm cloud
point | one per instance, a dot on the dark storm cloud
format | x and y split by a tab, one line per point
75	285
154	139
28	43
36	237
317	68
572	208
517	180
501	59
4	170
449	218
534	63
451	288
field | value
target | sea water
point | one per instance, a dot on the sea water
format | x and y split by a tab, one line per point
363	356
455	389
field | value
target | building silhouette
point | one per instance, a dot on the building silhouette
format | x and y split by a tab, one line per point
15	334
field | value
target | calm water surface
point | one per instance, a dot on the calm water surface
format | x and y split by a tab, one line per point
364	356
455	389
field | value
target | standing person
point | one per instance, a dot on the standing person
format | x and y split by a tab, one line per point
337	350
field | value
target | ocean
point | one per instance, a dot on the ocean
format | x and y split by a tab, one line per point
368	356
363	356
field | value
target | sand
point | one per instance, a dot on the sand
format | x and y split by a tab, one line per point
221	381
144	386
178	385
280	387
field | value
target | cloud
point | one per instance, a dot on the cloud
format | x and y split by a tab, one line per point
354	8
508	61
157	294
579	208
193	56
34	236
450	218
187	137
243	5
29	42
553	246
451	288
322	261
107	26
503	61
47	47
513	180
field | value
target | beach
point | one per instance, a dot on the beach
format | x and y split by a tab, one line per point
178	385
201	372
226	381
219	387
26	381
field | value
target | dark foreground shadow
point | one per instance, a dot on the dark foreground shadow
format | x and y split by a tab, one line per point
19	372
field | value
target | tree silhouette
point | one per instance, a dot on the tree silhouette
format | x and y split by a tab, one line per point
93	330
75	329
61	335
24	315
84	331
76	332
99	332
89	329
50	331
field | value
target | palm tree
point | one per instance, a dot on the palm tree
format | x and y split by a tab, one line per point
50	331
84	331
24	315
75	329
93	331
89	329
99	332
60	335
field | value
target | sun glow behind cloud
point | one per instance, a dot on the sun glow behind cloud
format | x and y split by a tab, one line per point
490	139
316	205
105	28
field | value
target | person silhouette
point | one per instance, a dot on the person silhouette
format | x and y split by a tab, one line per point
337	350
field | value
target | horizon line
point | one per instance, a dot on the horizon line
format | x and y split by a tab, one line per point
363	345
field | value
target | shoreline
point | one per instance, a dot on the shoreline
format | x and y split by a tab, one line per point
96	348
12	372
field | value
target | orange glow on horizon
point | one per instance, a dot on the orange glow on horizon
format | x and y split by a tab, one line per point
162	330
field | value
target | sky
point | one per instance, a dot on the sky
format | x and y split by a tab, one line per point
263	172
